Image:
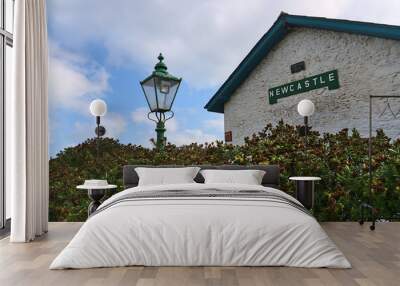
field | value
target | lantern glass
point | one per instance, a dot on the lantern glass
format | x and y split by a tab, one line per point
166	91
160	92
164	86
150	92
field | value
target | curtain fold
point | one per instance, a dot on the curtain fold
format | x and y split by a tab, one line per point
28	123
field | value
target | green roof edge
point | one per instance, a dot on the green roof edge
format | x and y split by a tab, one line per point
277	32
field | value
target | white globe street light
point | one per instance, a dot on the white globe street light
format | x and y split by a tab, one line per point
306	108
98	108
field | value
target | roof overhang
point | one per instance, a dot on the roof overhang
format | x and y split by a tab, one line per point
277	32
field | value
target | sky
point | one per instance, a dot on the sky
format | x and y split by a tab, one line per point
103	49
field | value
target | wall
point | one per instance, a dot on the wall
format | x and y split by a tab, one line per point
366	65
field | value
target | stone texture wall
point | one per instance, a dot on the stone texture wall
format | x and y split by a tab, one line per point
366	65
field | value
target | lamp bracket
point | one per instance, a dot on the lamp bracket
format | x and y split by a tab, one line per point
160	116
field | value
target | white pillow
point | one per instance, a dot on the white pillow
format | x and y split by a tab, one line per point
248	177
166	176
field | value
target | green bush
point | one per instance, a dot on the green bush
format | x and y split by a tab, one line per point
340	159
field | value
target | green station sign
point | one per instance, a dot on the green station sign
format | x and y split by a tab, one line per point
328	79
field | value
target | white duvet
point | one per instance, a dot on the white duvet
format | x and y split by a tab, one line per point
200	231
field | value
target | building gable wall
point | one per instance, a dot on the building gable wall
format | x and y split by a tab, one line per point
366	65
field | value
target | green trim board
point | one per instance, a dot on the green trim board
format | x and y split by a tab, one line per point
328	79
277	32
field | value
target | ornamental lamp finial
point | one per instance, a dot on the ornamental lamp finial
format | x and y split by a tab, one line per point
160	66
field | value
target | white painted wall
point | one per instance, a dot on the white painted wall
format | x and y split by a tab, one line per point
366	65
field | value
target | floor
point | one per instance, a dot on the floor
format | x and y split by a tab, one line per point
375	256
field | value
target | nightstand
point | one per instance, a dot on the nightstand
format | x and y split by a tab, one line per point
305	190
96	194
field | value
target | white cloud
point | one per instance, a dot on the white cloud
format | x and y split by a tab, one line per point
74	80
115	124
188	136
172	125
216	124
139	116
81	132
175	133
203	41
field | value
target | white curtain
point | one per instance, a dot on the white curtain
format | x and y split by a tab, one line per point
27	123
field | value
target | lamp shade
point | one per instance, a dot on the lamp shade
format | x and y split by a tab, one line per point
98	107
306	107
160	88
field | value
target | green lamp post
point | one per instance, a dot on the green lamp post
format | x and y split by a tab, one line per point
160	89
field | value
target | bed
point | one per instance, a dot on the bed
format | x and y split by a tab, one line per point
201	224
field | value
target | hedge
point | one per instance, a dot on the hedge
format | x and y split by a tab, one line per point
340	159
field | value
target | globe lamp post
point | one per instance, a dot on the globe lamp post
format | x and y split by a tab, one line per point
98	108
306	108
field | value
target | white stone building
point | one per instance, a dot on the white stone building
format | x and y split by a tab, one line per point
356	60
